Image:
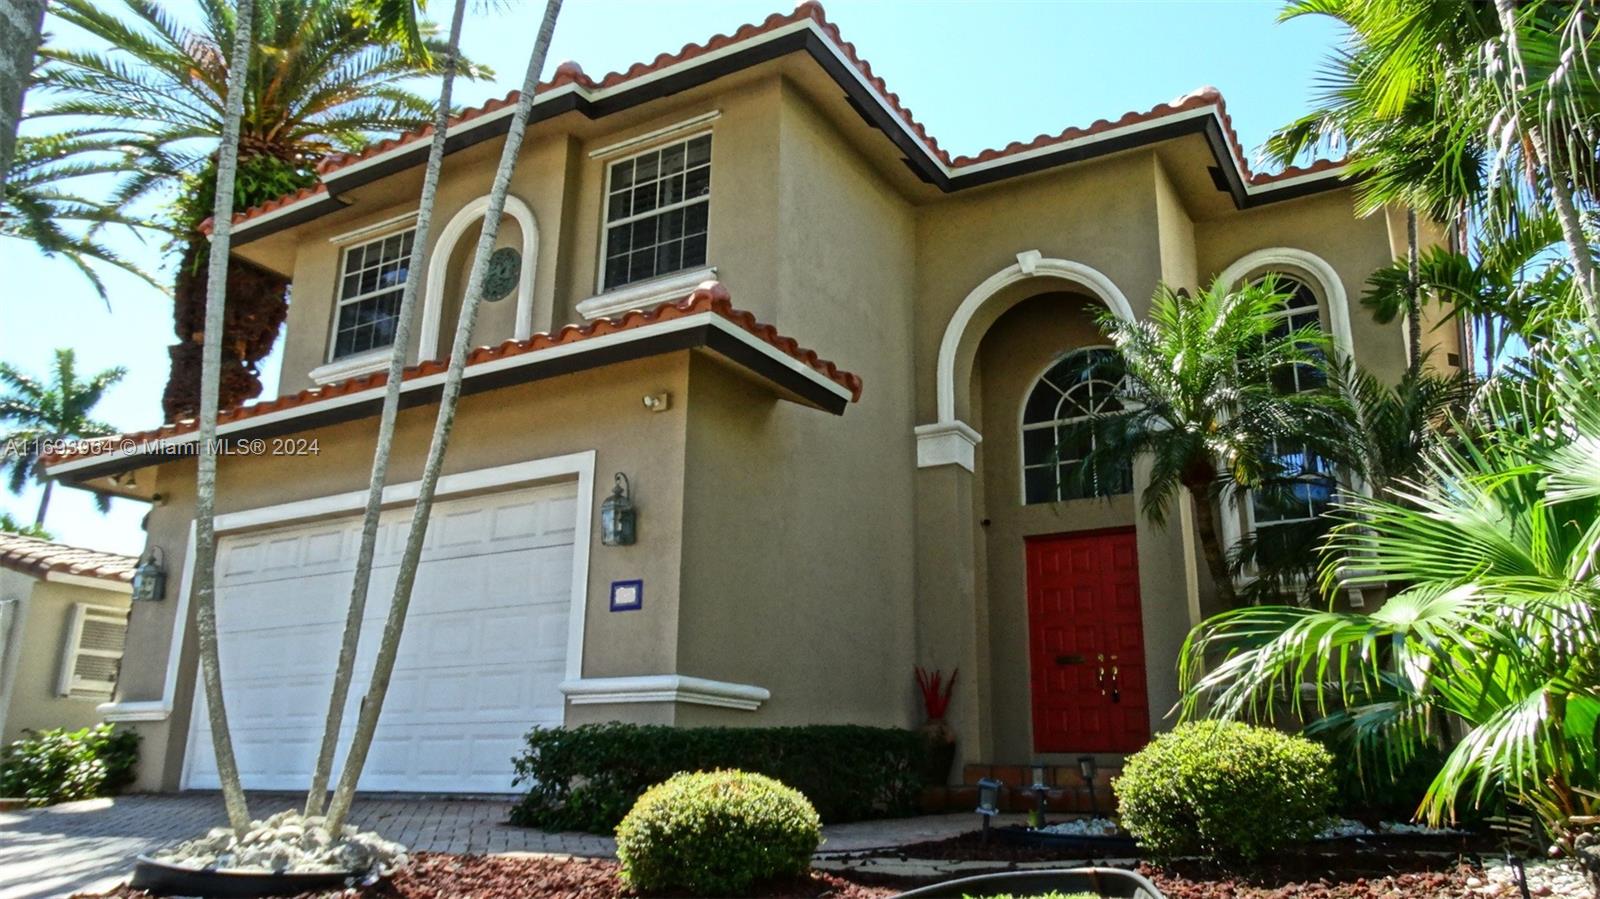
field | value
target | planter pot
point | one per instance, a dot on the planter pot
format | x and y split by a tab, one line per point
162	879
1112	883
941	752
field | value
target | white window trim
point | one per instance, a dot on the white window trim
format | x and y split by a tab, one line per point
68	680
658	136
605	202
1324	281
1022	409
645	294
339	301
445	246
351	366
579	464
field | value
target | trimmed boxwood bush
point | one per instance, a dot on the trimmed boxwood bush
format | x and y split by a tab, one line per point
51	766
587	777
1226	790
716	834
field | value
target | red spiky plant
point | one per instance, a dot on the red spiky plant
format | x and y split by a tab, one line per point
935	691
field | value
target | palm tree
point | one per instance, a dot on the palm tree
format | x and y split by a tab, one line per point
10	525
1494	621
44	413
20	30
327	74
1201	400
400	17
239	61
1395	424
411	556
40	196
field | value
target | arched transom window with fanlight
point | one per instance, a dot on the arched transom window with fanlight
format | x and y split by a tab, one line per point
1312	485
1074	390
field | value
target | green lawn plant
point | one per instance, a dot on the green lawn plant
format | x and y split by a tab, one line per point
1226	790
717	833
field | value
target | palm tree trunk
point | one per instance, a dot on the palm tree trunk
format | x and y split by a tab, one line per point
205	546
21	26
1583	263
345	668
44	504
1205	526
1413	293
405	579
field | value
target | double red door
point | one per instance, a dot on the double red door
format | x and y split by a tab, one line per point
1086	643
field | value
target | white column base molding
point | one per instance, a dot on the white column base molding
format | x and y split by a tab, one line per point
664	688
947	443
130	712
645	294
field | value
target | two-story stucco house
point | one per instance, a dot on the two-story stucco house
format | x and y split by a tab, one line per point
808	530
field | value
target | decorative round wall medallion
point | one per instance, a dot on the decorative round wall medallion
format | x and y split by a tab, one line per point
505	267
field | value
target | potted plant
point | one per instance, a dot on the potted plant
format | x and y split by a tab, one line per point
941	739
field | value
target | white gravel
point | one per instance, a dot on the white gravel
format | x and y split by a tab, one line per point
1084	827
1346	827
287	842
1546	879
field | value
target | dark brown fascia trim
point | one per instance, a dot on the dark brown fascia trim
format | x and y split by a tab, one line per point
705	336
860	97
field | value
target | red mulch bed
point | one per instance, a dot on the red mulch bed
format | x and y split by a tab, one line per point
1283	882
439	876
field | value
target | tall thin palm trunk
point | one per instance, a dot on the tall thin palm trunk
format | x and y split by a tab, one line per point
345	669
44	503
1583	263
21	25
1205	526
1413	292
205	544
405	579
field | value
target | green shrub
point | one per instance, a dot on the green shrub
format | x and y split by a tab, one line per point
586	778
53	766
1226	790
716	834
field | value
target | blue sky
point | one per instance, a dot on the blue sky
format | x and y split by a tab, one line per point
976	74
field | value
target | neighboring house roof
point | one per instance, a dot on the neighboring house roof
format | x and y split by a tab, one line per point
705	318
807	29
40	558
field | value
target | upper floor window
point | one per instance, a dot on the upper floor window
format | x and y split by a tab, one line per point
656	205
1311	486
374	274
1073	391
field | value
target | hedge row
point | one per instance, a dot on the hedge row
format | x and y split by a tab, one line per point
588	777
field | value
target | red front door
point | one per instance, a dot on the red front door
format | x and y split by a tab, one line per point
1086	642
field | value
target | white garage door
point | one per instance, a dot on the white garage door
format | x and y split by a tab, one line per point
483	654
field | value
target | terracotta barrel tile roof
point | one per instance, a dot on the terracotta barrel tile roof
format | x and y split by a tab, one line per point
33	556
571	74
709	297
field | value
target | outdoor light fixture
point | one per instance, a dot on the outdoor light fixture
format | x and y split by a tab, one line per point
1036	817
150	577
988	802
617	525
1086	767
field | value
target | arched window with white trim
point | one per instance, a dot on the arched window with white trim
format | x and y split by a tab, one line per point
1312	486
1072	391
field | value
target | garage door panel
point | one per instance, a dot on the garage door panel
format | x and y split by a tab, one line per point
481	661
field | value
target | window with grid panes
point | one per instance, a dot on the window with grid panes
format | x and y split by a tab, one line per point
656	205
1311	490
373	276
1073	391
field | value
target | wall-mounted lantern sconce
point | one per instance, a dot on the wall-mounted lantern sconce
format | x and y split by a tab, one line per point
617	517
150	577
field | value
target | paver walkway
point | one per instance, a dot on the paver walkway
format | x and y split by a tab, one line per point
88	846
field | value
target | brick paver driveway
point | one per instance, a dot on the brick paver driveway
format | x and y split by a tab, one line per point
84	846
87	845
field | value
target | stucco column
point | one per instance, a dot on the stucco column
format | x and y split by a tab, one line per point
952	612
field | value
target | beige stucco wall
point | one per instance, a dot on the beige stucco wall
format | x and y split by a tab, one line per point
597	410
44	613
